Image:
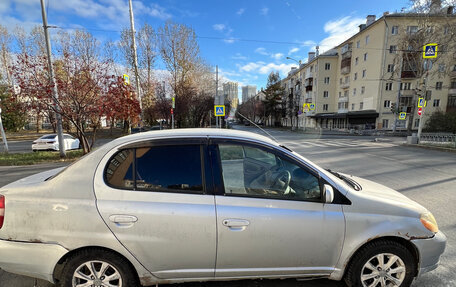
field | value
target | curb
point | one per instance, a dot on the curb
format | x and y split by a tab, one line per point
453	150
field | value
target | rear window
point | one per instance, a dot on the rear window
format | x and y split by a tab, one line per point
48	137
160	168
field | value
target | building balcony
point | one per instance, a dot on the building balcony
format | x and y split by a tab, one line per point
408	74
308	76
453	74
308	100
310	113
452	92
345	85
308	96
347	54
342	100
345	70
342	111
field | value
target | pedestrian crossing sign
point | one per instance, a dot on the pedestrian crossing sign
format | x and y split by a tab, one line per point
219	110
402	116
126	79
308	107
430	51
420	102
311	107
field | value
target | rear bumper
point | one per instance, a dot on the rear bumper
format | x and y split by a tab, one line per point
430	250
44	147
36	260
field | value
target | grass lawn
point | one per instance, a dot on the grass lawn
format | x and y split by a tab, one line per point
37	157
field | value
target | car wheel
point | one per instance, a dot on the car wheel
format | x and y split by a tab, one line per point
98	268
381	263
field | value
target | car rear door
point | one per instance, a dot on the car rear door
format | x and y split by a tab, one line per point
266	231
155	199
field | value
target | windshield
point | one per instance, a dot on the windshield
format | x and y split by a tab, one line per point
48	137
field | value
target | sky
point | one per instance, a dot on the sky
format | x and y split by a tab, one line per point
245	39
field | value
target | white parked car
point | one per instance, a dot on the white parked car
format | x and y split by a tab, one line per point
51	142
207	204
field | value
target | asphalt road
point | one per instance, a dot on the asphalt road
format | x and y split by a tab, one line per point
426	176
24	146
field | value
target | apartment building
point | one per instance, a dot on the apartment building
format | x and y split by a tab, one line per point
248	92
230	91
357	84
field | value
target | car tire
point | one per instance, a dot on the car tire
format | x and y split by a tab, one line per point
360	273
95	258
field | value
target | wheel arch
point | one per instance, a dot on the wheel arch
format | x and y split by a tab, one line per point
406	243
61	263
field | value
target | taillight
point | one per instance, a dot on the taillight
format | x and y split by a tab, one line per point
2	210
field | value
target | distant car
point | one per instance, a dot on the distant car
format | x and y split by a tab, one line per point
51	142
210	204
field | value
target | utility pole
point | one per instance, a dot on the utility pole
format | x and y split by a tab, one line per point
55	97
135	57
5	143
396	121
420	125
217	100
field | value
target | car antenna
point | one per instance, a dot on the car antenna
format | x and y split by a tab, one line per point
269	135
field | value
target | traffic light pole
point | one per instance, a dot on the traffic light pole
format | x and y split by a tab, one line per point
420	125
396	110
5	143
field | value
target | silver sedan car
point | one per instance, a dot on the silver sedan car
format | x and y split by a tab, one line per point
205	204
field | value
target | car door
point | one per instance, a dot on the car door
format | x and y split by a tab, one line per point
155	199
273	223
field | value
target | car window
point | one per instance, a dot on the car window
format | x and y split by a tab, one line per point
169	168
48	137
254	172
119	171
67	137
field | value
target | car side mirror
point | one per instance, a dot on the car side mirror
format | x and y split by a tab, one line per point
328	193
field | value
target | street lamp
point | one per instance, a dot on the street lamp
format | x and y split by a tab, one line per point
299	62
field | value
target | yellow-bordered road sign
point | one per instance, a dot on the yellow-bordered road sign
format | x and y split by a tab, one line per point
312	107
219	110
402	115
420	102
430	51
126	79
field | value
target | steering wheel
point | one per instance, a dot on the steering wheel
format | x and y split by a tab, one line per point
280	180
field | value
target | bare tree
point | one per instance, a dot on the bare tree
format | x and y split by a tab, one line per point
5	44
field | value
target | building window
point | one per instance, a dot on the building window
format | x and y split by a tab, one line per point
353	107
326	80
367	39
354	92
387	104
417	123
346	93
327	66
446	30
325	94
363	89
453	85
311	68
356	60
395	30
405	86
393	49
389	86
385	124
325	107
357	44
361	105
436	103
390	68
355	76
438	85
340	81
441	68
365	57
364	73
340	94
412	29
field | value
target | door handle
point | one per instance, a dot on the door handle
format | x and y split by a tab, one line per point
236	224
123	220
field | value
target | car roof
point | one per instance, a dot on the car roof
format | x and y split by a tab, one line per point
194	132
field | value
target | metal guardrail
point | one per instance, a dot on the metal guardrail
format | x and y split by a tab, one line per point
441	139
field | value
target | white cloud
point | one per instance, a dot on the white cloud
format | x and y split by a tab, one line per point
277	56
308	43
264	11
238	56
339	30
240	11
293	50
218	27
229	40
261	51
265	68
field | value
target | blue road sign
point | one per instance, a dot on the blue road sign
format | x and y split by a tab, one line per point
219	110
430	51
